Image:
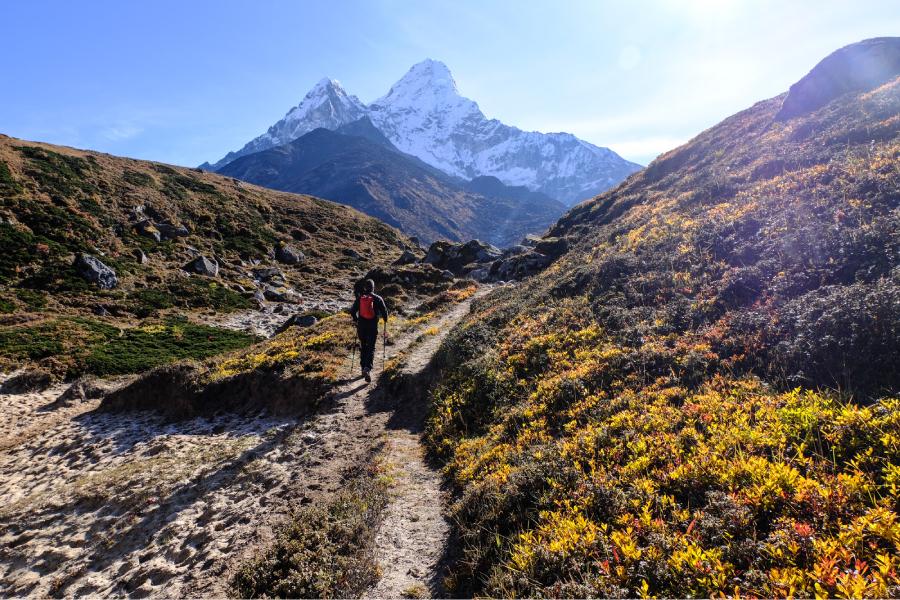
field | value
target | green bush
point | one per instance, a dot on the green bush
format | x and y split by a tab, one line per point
33	299
79	345
142	348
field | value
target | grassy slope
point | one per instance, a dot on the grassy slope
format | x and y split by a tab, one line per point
657	413
55	202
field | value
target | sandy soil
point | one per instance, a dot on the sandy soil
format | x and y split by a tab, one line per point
130	504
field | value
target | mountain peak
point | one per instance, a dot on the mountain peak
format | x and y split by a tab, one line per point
429	80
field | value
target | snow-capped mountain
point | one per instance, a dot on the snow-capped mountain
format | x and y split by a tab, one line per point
424	115
326	105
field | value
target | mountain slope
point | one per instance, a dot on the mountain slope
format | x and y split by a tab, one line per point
148	223
700	397
424	115
365	171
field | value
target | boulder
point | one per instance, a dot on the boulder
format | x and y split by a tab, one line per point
299	235
267	274
407	258
447	274
30	380
299	320
351	253
480	274
437	253
519	266
203	266
530	240
146	228
459	258
94	271
260	298
169	231
288	254
554	247
280	294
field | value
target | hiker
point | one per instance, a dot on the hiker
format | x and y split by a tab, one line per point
366	311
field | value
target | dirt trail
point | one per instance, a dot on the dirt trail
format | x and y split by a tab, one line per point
413	536
130	504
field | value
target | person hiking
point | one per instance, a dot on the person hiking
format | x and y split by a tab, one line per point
366	311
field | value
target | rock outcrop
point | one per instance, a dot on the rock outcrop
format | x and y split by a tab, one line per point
94	271
854	68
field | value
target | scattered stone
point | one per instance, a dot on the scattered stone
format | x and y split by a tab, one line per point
140	256
288	254
407	258
459	258
283	294
350	252
146	228
30	380
297	321
267	274
101	311
203	266
169	231
299	235
447	274
94	271
260	299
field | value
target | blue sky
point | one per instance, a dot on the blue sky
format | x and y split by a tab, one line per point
186	81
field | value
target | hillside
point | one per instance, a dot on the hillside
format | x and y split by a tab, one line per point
425	116
162	243
700	397
356	165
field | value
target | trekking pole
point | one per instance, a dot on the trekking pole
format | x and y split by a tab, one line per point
352	360
384	345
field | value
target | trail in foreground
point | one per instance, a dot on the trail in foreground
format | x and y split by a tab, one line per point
130	504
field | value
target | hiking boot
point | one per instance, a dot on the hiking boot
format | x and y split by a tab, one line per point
367	376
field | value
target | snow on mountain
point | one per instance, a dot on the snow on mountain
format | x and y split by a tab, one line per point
326	105
424	115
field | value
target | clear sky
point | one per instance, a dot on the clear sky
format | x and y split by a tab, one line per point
186	81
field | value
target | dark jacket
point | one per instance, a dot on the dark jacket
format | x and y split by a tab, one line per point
380	309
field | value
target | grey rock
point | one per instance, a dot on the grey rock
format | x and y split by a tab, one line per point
407	258
140	256
350	252
94	271
267	274
203	266
288	255
447	274
297	321
481	274
282	294
146	228
553	247
169	231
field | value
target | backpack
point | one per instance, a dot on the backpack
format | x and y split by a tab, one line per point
367	306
